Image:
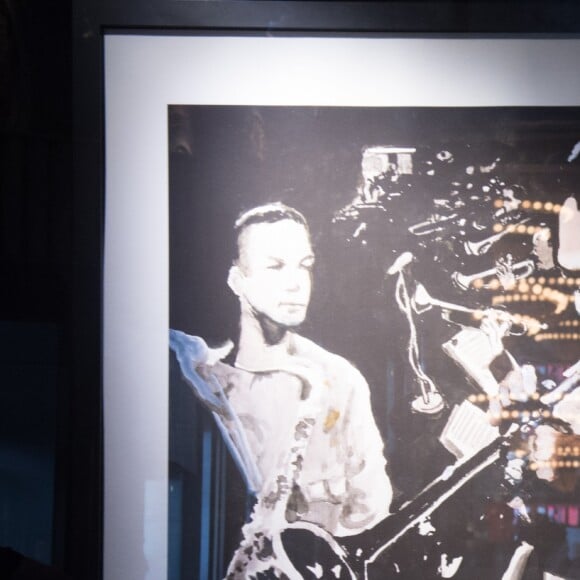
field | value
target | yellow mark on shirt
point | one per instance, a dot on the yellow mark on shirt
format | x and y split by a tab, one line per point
331	420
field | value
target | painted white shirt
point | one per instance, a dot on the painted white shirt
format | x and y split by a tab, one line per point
342	471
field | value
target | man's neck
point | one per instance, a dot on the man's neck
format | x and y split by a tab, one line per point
263	344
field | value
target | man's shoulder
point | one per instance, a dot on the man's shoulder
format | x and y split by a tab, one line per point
336	368
228	375
333	362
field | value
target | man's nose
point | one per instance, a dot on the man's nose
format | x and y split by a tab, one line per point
295	281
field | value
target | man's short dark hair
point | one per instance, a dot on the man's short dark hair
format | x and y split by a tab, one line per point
269	213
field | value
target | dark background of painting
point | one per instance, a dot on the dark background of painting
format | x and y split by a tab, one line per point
224	160
227	159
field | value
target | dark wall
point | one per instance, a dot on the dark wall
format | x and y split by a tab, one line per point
45	463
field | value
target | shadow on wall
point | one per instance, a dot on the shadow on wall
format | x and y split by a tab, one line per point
15	566
29	378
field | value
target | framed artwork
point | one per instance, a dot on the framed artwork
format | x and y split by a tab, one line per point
341	306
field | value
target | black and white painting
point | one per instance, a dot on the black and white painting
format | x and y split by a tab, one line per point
374	342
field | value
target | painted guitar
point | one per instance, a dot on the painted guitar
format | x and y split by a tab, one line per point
369	555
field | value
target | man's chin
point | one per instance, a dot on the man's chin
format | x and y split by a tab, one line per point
290	321
291	325
292	315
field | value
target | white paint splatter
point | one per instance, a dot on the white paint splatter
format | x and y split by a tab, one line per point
568	409
447	472
519	506
336	571
488	168
549	576
574	153
426	527
514	470
360	229
569	226
316	570
449	569
518	562
543	249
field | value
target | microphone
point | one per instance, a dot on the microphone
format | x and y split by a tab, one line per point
403	260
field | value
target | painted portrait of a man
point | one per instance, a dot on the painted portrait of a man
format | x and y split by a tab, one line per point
362	307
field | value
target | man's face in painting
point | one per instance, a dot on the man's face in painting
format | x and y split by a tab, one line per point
273	276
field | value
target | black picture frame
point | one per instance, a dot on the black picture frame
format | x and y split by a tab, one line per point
91	21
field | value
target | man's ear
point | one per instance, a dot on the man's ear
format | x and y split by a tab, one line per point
235	278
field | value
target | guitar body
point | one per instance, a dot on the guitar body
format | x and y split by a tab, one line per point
411	557
403	545
317	554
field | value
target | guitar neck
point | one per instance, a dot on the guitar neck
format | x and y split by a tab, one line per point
368	545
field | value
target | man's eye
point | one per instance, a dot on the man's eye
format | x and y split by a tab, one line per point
276	266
